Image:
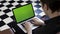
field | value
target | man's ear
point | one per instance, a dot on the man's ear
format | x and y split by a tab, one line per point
45	7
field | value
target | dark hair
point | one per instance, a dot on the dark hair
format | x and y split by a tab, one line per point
52	4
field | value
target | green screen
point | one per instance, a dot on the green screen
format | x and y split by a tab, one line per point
23	13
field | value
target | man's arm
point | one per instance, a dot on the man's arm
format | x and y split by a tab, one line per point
7	31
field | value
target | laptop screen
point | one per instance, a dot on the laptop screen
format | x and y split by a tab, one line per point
23	13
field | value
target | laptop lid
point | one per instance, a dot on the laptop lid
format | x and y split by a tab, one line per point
23	13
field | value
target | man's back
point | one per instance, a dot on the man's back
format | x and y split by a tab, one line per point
52	27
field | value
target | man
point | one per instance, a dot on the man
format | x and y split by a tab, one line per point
52	26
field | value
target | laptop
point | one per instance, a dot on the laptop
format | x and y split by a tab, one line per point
22	14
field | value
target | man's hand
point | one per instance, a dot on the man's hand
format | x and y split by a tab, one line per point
28	27
58	33
37	21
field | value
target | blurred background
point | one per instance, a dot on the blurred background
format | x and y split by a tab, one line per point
6	15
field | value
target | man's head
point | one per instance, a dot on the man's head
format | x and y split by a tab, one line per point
51	7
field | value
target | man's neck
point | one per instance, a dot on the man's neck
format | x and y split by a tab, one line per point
55	14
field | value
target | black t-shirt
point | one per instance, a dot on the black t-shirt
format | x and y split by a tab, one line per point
52	27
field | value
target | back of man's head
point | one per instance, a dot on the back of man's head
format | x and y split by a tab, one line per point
54	5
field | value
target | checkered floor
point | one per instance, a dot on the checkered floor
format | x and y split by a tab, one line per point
6	6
